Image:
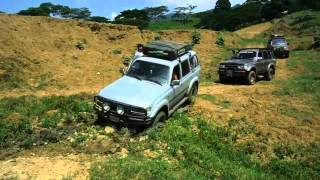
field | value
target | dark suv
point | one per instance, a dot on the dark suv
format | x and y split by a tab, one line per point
249	64
279	45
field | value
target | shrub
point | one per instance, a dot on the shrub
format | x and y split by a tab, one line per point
117	51
81	44
157	37
220	39
195	38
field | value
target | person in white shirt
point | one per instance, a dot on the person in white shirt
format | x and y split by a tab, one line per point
139	52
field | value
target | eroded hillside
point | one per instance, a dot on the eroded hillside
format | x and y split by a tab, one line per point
43	56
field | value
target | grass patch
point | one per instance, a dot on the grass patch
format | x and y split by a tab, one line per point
169	24
304	85
192	148
215	100
209	74
25	120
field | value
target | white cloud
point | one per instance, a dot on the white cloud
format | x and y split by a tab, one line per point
113	15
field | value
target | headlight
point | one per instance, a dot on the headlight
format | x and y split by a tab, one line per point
286	48
222	66
241	67
106	107
120	110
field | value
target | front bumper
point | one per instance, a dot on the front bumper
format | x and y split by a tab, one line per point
280	52
225	73
126	119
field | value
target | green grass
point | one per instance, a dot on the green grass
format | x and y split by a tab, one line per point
169	24
192	148
22	117
304	22
215	100
304	85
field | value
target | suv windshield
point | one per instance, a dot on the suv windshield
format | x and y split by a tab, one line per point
279	42
245	55
148	71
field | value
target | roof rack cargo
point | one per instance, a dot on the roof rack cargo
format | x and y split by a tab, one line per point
274	35
167	50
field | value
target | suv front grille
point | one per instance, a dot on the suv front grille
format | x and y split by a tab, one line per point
231	67
130	111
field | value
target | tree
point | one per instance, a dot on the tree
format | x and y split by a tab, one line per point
99	19
134	17
154	13
183	13
272	10
222	5
49	9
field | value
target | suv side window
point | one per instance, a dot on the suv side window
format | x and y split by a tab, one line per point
185	68
193	62
260	54
266	55
176	73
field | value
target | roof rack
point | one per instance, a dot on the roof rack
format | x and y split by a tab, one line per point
167	50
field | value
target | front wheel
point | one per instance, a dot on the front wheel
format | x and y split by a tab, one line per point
160	117
193	94
251	78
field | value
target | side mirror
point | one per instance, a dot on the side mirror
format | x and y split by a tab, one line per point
175	83
122	71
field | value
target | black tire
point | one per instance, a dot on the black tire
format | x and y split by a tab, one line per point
270	74
193	94
251	78
160	117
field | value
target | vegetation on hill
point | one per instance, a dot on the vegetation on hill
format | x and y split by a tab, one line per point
251	12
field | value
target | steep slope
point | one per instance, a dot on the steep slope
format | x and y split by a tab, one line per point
41	56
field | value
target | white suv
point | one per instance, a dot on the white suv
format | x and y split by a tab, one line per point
153	87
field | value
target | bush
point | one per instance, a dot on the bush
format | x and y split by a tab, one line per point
220	39
117	51
81	44
157	37
195	38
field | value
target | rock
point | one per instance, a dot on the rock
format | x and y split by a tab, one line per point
143	138
109	130
123	153
101	146
150	154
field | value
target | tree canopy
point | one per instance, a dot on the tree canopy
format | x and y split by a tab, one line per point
222	5
49	9
154	13
134	17
183	13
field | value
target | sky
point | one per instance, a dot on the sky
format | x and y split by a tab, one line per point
109	8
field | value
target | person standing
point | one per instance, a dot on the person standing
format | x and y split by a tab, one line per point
139	52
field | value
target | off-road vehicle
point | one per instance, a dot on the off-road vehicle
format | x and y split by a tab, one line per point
249	64
153	87
279	45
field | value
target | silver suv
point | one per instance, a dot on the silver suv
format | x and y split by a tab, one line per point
153	87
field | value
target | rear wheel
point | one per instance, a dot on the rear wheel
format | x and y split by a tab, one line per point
270	74
251	78
161	117
193	94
